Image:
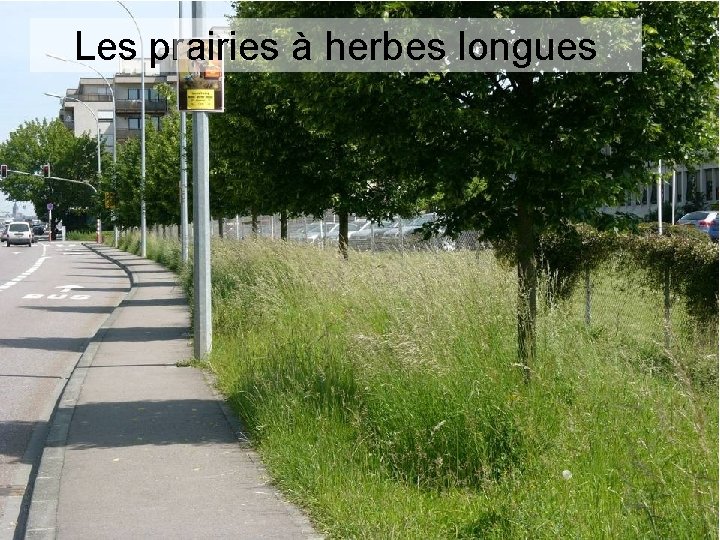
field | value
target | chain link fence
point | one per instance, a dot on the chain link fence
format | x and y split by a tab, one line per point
363	234
608	299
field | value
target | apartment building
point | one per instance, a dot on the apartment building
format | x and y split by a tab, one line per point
93	97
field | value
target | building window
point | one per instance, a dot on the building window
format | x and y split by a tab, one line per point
155	120
711	184
133	93
134	122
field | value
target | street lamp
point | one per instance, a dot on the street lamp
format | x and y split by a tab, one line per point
143	222
99	152
112	95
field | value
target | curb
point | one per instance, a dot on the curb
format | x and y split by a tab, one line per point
44	485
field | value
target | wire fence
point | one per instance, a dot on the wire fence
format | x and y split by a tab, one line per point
608	299
363	234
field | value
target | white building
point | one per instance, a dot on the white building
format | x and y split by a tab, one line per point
95	94
691	184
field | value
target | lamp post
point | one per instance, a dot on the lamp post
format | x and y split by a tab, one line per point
143	222
98	230
112	95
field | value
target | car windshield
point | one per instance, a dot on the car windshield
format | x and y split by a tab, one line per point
695	216
19	227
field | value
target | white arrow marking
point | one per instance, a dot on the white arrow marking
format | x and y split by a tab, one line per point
79	297
68	288
16	253
33	296
57	296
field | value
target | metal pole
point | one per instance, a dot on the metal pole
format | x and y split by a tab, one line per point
674	198
201	216
143	221
659	197
112	96
184	248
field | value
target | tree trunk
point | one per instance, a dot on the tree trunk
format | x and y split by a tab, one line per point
527	287
343	233
254	226
221	227
283	224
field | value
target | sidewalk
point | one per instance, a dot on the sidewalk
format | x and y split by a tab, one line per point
141	448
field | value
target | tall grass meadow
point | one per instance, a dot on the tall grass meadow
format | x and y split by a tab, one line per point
384	396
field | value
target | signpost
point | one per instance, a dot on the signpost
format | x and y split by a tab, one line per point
50	207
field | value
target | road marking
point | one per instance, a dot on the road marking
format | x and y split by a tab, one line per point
27	272
68	288
38	296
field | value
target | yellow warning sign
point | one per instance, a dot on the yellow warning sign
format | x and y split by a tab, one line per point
200	78
200	100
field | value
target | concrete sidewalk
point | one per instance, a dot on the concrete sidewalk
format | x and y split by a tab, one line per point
141	448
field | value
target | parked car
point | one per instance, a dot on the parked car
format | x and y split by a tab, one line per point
353	226
703	220
410	226
370	228
4	233
19	232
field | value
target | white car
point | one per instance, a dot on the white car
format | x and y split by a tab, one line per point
19	232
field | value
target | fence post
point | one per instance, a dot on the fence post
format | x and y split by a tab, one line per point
402	241
588	295
666	291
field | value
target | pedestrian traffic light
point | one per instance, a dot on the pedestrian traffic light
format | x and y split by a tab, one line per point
46	170
3	171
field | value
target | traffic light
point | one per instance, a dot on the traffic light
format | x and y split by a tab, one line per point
3	171
110	199
46	170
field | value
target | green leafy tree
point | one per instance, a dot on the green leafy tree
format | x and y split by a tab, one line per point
38	142
517	154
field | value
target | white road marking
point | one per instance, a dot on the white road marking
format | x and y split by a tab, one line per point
68	288
27	272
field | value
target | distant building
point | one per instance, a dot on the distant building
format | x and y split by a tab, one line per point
94	92
694	186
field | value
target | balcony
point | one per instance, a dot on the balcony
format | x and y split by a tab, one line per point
91	98
135	106
124	133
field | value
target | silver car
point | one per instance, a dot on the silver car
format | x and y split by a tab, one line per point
19	232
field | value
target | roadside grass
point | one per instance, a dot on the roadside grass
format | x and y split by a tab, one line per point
383	396
90	236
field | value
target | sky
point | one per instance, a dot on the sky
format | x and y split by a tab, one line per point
25	78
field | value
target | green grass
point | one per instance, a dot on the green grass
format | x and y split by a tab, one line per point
383	396
90	236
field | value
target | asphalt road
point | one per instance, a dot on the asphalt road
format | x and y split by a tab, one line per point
53	298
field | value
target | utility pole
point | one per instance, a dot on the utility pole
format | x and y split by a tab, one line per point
183	170
202	300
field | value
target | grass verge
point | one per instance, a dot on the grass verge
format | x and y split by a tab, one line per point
383	397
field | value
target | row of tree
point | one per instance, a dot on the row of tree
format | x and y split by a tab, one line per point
508	154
